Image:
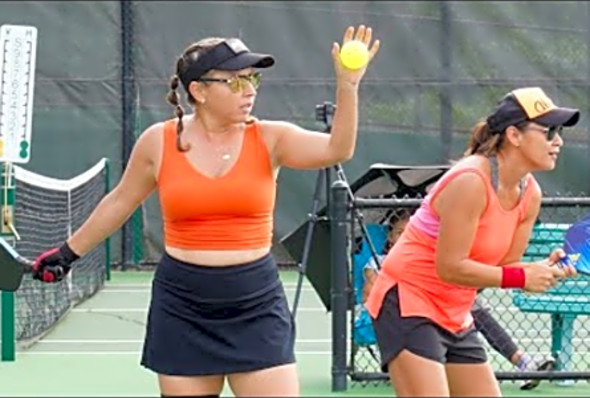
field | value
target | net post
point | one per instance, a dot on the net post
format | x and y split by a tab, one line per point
8	343
8	299
339	264
107	189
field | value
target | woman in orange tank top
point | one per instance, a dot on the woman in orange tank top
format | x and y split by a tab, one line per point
218	309
483	320
470	232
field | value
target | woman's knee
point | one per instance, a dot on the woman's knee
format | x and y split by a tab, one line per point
472	380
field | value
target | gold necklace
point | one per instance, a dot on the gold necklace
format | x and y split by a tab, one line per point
225	152
222	150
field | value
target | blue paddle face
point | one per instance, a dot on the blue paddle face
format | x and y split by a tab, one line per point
577	246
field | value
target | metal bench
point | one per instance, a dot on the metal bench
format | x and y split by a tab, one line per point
565	302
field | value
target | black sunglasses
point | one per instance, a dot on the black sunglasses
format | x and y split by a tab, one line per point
549	132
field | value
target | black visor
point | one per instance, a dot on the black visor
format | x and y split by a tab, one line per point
566	117
231	54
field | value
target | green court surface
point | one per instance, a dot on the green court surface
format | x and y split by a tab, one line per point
95	351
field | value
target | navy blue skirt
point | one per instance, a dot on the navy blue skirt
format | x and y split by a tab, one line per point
217	320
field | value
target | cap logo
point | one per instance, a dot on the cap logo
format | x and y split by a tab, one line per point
534	101
236	45
541	106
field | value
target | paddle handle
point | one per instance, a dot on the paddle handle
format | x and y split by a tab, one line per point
567	260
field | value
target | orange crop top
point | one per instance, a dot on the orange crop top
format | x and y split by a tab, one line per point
411	263
234	211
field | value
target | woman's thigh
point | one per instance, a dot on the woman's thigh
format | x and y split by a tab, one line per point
416	376
278	381
190	385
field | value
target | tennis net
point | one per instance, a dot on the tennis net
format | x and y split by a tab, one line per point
46	212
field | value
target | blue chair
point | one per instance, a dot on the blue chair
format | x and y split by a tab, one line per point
363	333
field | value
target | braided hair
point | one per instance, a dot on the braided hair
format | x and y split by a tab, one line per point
182	65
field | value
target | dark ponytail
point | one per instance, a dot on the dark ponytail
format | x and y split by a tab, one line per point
483	141
174	99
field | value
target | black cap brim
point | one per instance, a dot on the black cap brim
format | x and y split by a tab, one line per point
566	117
247	60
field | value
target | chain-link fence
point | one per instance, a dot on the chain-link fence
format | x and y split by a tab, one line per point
552	328
441	67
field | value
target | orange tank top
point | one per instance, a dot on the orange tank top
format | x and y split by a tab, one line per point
411	262
233	211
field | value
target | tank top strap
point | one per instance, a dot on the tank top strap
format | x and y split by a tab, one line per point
445	179
494	174
169	152
255	149
494	177
170	134
530	183
252	130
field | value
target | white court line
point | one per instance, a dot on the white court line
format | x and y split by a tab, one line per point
127	341
115	310
132	353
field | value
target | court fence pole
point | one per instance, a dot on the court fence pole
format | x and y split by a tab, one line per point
588	84
339	206
128	90
446	71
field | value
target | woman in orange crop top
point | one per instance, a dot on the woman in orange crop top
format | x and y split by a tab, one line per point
470	232
218	309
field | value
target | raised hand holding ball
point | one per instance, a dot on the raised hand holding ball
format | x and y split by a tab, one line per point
358	50
354	54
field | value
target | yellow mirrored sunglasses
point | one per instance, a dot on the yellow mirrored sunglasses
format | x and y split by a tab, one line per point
237	83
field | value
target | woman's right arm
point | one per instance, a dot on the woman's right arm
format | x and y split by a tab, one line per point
459	205
137	182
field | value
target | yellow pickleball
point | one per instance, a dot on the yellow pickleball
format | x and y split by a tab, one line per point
354	54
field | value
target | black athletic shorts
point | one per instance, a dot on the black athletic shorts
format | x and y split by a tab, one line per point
422	337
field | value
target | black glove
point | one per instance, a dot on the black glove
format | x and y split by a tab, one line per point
53	265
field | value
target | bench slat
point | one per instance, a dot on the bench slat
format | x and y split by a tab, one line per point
573	305
568	297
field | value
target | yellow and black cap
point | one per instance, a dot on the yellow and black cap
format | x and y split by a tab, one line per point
532	104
